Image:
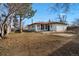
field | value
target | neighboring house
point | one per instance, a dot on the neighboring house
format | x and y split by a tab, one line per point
48	26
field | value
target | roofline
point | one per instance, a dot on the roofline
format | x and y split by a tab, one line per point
47	23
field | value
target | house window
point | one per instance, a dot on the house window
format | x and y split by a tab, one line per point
33	26
51	26
38	25
46	27
42	27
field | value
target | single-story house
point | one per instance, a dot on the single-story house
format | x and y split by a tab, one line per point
48	26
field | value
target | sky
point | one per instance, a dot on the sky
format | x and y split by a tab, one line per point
43	13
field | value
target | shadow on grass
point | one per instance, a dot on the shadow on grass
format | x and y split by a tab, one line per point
18	31
69	49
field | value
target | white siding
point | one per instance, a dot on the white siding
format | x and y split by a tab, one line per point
32	28
36	29
58	28
61	28
53	27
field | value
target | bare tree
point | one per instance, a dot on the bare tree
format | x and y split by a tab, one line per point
76	27
76	22
26	12
15	23
12	9
61	9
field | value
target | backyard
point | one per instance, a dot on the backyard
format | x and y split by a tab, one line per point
33	43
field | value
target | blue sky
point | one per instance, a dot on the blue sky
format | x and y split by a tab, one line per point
43	14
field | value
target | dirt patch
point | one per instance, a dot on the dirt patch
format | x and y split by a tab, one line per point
58	34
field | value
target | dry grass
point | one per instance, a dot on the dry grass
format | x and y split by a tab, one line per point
31	43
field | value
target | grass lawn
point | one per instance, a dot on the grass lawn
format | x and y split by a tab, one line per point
31	43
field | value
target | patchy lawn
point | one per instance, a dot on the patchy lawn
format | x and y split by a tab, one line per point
31	43
69	49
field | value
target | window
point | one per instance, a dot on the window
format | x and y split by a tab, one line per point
42	27
51	26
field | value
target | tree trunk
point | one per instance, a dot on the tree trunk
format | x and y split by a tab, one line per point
3	27
20	25
4	31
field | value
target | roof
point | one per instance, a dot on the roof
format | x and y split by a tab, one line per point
48	23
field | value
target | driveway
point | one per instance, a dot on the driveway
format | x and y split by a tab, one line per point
59	34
